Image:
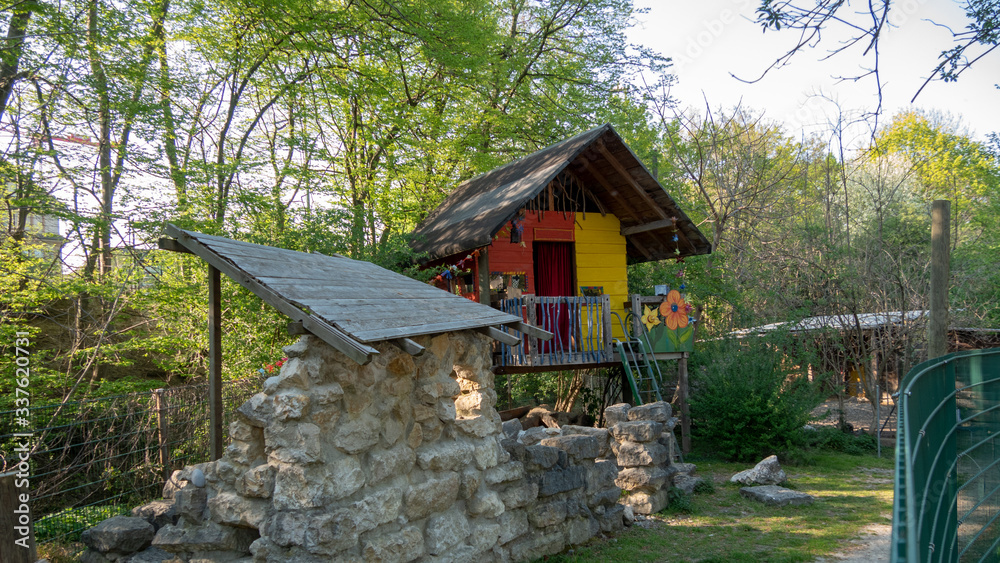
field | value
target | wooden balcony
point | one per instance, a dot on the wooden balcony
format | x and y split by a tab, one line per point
582	329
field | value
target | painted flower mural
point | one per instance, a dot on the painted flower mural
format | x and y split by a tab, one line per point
668	325
674	310
649	318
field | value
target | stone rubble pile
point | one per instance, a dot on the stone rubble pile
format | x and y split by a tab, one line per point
402	459
643	446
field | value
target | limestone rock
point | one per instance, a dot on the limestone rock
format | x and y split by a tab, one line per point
577	447
511	428
159	513
435	495
532	436
151	555
258	411
635	454
486	504
767	472
444	456
207	537
602	435
774	495
400	547
561	480
445	531
637	431
548	514
686	483
387	463
540	457
616	413
659	411
235	510
257	482
633	478
120	534
647	503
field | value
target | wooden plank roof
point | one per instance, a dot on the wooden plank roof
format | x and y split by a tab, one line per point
480	207
348	303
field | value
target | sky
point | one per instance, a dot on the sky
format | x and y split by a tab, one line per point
712	40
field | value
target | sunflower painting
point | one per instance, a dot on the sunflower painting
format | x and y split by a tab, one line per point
669	326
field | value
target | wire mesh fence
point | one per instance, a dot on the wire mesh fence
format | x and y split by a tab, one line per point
98	458
947	495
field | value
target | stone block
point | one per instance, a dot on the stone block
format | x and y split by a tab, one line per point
206	537
513	524
342	477
686	482
399	547
471	479
484	536
232	509
579	530
445	531
257	411
510	471
647	502
486	504
604	497
257	482
294	490
635	454
634	478
327	395
444	456
532	436
602	435
480	426
612	518
487	454
659	411
380	507
517	496
767	472
357	435
578	447
159	513
330	533
382	464
191	502
177	480
637	431
539	457
546	514
511	428
150	555
290	405
601	475
513	448
773	495
434	495
292	442
120	534
616	413
561	480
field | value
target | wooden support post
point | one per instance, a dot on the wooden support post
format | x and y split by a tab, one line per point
682	398
214	363
163	430
484	275
937	325
13	526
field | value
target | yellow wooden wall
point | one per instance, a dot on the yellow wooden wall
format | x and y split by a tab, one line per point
600	260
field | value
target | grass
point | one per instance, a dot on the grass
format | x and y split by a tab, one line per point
851	493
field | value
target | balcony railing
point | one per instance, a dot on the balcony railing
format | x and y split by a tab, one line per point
581	325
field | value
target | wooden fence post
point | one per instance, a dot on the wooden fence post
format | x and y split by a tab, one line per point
163	430
937	324
11	523
214	363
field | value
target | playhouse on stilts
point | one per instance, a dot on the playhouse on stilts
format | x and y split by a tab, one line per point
548	237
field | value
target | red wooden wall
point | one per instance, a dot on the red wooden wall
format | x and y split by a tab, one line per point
507	257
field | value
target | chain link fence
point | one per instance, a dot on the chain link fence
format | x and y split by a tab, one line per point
98	458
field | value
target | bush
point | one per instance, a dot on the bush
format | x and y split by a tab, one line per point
832	439
750	398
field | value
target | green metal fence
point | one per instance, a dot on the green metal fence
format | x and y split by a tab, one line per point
947	494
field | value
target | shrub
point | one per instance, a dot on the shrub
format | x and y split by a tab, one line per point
832	439
750	398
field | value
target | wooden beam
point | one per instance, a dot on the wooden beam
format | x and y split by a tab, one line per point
612	191
409	346
214	363
496	334
172	245
532	330
333	336
635	229
631	181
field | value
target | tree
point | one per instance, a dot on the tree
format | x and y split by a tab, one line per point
980	37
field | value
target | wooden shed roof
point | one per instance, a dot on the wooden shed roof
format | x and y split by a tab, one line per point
478	208
348	303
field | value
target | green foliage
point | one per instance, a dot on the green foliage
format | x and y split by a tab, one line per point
67	525
678	502
750	398
834	440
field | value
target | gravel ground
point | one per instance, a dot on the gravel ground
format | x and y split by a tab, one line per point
857	411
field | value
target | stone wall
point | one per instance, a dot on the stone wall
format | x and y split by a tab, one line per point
399	460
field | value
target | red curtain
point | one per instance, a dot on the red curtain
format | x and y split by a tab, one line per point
554	277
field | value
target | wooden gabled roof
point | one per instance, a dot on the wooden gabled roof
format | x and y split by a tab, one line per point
347	303
599	160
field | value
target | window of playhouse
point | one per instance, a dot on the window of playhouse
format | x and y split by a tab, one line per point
507	285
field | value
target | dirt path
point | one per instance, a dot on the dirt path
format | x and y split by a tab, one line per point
871	547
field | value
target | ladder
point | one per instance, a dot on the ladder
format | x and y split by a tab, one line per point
634	353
